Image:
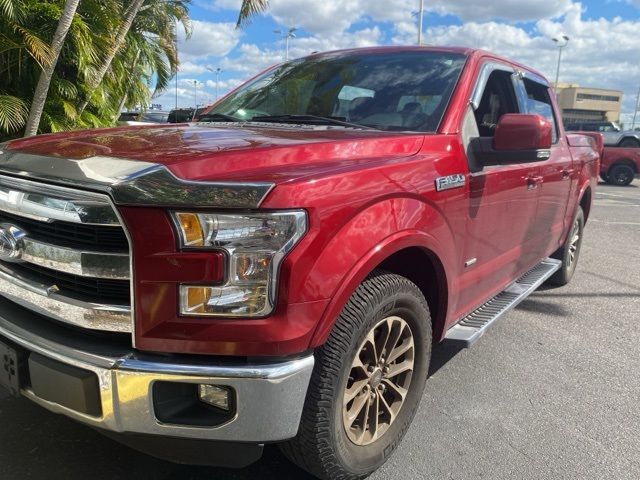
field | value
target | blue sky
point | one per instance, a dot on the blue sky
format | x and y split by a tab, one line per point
604	50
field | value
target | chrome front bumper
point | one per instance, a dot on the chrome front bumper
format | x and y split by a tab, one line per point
269	396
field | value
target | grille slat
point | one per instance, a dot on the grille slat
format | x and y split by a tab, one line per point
68	234
88	289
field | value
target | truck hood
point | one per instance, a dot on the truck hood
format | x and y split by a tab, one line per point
227	152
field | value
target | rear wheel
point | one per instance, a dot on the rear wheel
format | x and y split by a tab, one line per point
630	143
570	251
621	175
367	381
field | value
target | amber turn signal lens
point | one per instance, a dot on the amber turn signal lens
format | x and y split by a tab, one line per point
192	235
197	299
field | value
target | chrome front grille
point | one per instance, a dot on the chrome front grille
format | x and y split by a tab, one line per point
64	254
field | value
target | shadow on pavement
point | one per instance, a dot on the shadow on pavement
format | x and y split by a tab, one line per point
39	444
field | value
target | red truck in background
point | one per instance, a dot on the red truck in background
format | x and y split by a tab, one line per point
620	165
278	272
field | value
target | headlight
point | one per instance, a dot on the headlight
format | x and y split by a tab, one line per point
255	243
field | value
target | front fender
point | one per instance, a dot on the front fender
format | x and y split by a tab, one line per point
367	240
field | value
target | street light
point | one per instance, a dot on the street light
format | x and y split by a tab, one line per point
635	110
286	35
217	71
195	99
420	16
560	43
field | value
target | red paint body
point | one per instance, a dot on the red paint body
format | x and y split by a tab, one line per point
368	195
620	155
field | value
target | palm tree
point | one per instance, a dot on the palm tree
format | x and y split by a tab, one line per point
42	88
150	24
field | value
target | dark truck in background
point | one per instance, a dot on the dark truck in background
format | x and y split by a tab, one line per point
279	273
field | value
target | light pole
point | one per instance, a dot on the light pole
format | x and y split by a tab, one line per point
195	99
286	35
217	71
635	110
420	16
561	43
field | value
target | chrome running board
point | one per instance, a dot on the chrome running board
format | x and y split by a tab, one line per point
470	328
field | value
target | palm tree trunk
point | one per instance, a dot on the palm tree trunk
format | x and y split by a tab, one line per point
129	83
42	88
120	38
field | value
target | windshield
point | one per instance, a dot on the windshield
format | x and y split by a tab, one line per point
388	91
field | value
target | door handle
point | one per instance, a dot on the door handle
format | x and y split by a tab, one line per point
566	174
534	181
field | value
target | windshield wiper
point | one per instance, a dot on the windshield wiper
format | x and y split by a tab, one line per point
218	117
310	120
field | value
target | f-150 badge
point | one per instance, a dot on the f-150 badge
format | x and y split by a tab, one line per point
450	181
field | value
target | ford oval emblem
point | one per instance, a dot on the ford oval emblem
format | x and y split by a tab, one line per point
11	244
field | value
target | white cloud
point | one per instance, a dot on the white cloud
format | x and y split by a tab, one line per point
511	10
601	53
208	39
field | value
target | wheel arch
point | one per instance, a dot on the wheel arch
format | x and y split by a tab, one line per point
414	255
633	138
585	202
624	161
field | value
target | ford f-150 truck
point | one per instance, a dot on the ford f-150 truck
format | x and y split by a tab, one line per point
278	272
620	165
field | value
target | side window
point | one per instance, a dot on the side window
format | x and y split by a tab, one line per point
498	98
539	102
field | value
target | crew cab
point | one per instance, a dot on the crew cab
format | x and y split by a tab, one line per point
279	272
619	165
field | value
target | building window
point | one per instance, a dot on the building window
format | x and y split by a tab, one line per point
602	98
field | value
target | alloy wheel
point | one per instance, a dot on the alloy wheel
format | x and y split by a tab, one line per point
379	380
574	244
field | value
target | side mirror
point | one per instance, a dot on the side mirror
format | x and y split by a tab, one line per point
518	138
522	132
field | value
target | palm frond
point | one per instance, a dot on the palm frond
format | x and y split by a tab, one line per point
37	48
250	8
13	114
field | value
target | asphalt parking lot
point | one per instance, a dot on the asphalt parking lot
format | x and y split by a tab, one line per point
551	392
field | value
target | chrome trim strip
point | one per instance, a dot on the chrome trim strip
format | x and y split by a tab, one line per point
131	182
45	300
113	266
35	201
270	396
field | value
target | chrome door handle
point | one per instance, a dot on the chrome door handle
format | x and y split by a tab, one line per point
566	174
534	181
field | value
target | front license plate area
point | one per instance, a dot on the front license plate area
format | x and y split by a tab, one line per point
9	369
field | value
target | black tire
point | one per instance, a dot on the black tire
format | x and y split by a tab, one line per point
604	177
569	253
322	446
621	175
629	143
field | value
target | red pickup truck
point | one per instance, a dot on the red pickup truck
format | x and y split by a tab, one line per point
278	272
620	165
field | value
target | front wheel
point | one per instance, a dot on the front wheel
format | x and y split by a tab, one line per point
367	381
570	251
